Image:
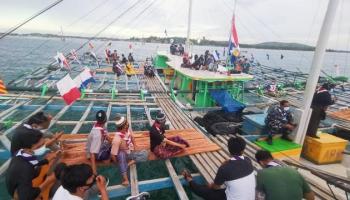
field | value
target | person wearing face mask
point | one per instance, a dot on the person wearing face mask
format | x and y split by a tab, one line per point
38	121
277	181
25	166
76	182
162	146
279	120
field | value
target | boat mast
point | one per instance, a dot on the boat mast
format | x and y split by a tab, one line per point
189	21
315	69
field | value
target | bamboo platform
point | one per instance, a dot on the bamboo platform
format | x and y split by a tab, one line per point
198	144
207	163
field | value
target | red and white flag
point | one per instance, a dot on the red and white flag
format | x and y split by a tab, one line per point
62	61
68	89
74	55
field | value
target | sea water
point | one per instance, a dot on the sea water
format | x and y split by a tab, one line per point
19	54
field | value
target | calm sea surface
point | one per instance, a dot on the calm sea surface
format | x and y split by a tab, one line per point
21	54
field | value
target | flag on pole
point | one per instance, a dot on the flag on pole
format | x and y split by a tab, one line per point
75	55
84	78
107	52
68	89
3	89
62	61
91	46
233	47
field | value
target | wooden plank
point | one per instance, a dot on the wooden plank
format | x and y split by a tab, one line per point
133	170
179	189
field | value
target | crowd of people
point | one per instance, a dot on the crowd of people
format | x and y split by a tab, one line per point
33	148
211	62
121	65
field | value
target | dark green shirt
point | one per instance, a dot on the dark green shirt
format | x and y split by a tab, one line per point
282	183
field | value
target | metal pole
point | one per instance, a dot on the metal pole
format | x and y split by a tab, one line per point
189	26
315	69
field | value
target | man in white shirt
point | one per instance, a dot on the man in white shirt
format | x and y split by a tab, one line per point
237	174
77	180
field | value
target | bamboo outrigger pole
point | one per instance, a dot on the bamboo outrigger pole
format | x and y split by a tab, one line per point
315	69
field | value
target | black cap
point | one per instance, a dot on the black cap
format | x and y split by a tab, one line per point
101	116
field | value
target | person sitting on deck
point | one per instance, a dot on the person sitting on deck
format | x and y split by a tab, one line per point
196	63
320	102
123	148
98	144
25	167
236	173
279	120
246	66
277	181
77	181
186	63
38	122
162	146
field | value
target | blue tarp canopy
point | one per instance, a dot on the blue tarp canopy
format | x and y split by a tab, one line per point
226	101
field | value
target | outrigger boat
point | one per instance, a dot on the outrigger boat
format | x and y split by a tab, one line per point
186	94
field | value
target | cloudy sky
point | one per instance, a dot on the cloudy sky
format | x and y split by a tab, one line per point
257	20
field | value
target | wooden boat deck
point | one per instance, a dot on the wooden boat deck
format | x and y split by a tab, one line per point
206	162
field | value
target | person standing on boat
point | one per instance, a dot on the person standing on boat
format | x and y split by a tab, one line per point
123	148
98	145
279	120
236	173
115	55
320	102
131	58
162	146
25	167
124	60
277	182
181	50
77	180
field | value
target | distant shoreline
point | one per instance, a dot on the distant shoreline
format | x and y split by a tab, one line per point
203	42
